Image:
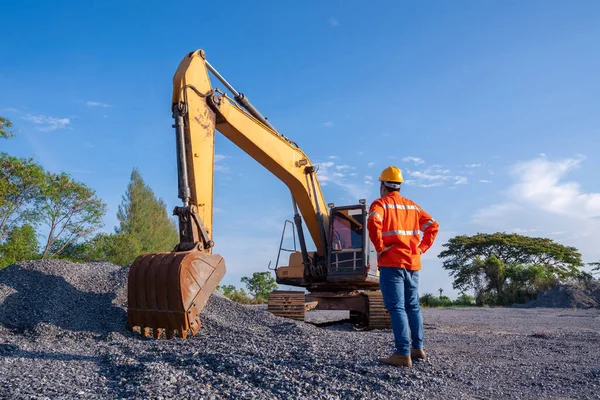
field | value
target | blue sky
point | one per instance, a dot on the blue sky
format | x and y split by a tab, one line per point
489	108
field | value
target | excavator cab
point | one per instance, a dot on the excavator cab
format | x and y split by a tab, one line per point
350	261
349	248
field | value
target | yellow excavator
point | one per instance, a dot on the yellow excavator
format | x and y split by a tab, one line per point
167	291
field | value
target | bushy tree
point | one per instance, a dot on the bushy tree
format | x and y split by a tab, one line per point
260	285
70	209
96	248
21	183
235	294
504	268
21	244
464	300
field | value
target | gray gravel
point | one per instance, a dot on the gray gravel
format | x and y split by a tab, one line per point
62	335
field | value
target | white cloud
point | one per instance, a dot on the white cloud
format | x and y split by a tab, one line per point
431	184
328	124
47	123
472	165
434	176
371	164
426	175
333	157
96	104
412	159
328	174
343	167
541	198
540	183
218	166
484	181
460	180
333	22
523	231
368	177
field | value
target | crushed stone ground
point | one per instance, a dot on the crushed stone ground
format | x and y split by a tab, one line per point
63	335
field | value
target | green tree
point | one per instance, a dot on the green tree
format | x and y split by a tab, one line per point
96	248
21	244
491	264
596	269
21	182
70	209
464	300
227	290
260	285
5	126
235	294
144	224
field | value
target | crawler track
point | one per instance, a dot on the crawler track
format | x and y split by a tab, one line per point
377	315
287	304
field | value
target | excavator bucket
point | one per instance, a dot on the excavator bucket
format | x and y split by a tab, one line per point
167	291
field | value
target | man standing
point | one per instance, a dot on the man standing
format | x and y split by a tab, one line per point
394	224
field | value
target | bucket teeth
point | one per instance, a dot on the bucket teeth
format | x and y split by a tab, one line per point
167	291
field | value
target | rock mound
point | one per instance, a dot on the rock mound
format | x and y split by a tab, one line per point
79	297
581	295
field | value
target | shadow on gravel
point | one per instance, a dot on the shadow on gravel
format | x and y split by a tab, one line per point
11	350
48	298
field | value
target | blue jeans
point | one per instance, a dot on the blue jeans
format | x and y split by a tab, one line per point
400	291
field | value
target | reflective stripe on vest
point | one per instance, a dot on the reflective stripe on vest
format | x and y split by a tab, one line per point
401	207
397	232
426	224
375	214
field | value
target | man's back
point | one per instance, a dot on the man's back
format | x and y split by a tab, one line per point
397	221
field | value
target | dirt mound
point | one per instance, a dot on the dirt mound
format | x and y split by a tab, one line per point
582	295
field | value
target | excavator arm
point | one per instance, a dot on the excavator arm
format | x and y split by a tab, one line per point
168	290
203	109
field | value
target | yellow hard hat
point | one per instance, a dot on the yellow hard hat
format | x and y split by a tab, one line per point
391	174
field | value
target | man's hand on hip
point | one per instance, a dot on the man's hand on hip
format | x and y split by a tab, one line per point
386	248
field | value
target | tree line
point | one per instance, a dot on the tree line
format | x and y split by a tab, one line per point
70	213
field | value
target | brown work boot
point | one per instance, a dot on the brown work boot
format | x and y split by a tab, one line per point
397	360
417	353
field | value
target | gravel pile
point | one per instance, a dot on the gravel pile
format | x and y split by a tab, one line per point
62	335
582	295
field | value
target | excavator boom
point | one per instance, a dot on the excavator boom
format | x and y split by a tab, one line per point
167	291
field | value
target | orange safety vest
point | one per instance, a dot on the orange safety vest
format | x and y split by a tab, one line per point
397	221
